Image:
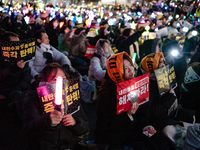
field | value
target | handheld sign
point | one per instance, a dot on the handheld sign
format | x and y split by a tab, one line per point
166	79
90	51
134	90
19	50
70	99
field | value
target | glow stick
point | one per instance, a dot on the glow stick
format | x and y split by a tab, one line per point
134	57
58	97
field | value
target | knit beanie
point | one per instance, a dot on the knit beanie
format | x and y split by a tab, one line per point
151	62
115	67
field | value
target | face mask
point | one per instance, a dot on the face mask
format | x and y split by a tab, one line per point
55	24
53	85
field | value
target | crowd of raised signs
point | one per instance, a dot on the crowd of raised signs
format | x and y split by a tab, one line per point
88	46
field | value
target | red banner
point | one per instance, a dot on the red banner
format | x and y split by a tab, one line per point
90	51
134	90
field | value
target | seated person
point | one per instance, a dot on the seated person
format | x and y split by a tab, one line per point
114	130
14	77
157	112
97	68
45	54
190	98
52	130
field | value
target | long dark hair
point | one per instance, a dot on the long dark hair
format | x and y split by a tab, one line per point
108	86
62	30
126	32
52	67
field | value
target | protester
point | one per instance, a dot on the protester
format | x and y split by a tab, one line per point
63	39
97	69
52	130
20	26
158	111
45	54
114	130
52	32
102	35
127	39
15	78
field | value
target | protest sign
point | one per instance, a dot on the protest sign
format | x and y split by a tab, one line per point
90	51
19	50
134	90
70	97
166	79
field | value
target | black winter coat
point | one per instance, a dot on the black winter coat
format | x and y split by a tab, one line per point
13	78
155	112
124	42
45	137
112	129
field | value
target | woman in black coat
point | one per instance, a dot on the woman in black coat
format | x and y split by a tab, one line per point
52	130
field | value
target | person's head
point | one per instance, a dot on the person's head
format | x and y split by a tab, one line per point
38	21
51	71
127	32
53	23
64	29
101	30
173	33
42	37
69	23
173	23
79	31
104	24
152	62
19	16
104	45
10	36
119	71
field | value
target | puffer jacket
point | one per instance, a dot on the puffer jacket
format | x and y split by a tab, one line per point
39	62
13	78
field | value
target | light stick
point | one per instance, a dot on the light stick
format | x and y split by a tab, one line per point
58	96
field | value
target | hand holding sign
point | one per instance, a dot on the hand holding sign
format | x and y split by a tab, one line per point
68	120
133	109
55	117
21	64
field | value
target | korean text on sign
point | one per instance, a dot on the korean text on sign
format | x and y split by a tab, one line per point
134	90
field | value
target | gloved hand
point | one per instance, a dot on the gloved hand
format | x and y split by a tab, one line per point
48	56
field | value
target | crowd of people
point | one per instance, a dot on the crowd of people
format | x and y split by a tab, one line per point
121	52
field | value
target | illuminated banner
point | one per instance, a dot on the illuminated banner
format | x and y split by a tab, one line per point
166	79
134	90
70	97
20	50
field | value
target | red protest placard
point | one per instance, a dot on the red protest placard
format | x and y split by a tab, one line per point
90	51
134	90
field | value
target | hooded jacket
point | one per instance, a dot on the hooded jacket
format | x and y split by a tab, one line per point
112	129
97	68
